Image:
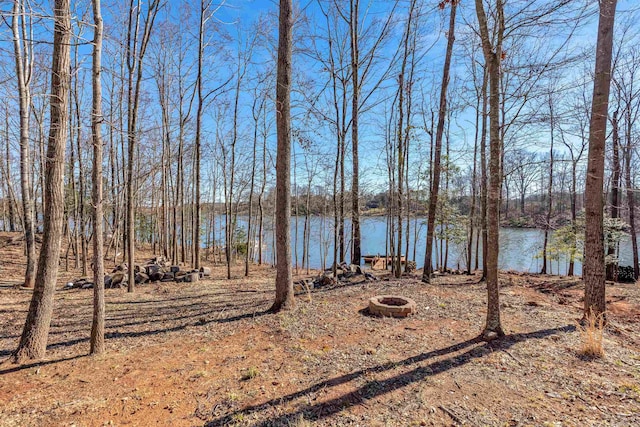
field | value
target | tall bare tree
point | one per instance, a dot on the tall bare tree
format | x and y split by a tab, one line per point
284	284
6	174
594	266
97	327
442	114
483	170
611	272
204	9
136	47
547	222
492	50
355	108
629	92
405	83
33	342
576	152
257	112
24	69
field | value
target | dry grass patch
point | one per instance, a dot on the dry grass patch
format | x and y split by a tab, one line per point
591	336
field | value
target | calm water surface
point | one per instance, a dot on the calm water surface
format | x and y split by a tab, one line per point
519	248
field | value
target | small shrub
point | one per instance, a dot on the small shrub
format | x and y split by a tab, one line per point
299	421
591	336
250	373
233	397
241	248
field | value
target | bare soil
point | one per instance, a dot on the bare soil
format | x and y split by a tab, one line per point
208	354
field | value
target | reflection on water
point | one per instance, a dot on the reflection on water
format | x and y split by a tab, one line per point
519	248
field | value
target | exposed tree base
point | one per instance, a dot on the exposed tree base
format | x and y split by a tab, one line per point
279	306
489	335
23	355
96	352
584	321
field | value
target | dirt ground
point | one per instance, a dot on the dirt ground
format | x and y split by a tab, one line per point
208	354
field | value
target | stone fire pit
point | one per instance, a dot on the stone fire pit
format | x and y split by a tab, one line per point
391	306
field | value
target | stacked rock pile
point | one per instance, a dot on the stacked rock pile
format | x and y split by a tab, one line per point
156	269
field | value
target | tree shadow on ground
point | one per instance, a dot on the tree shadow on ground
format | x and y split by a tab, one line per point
373	389
6	367
152	332
202	321
154	315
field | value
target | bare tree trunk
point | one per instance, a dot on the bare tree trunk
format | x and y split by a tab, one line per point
262	189
165	167
612	267
180	255
547	224
23	73
336	210
594	267
397	262
406	132
80	214
390	150
284	285
73	236
231	216
574	215
474	182
403	89
493	56
174	213
227	213
355	106
631	198
307	225
442	114
197	213
135	56
341	236
445	263
483	172
97	327
7	172
42	142
33	342
121	238
295	215
256	118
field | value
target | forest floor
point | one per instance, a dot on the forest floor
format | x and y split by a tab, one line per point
208	354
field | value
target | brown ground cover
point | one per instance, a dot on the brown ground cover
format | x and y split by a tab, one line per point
207	353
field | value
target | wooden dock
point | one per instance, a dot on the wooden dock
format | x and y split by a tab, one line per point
380	262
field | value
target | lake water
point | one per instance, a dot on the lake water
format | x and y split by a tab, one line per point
519	248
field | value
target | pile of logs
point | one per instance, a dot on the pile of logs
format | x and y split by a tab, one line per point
326	280
410	267
154	270
352	270
626	274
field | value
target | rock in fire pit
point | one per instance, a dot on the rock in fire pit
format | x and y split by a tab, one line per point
391	305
